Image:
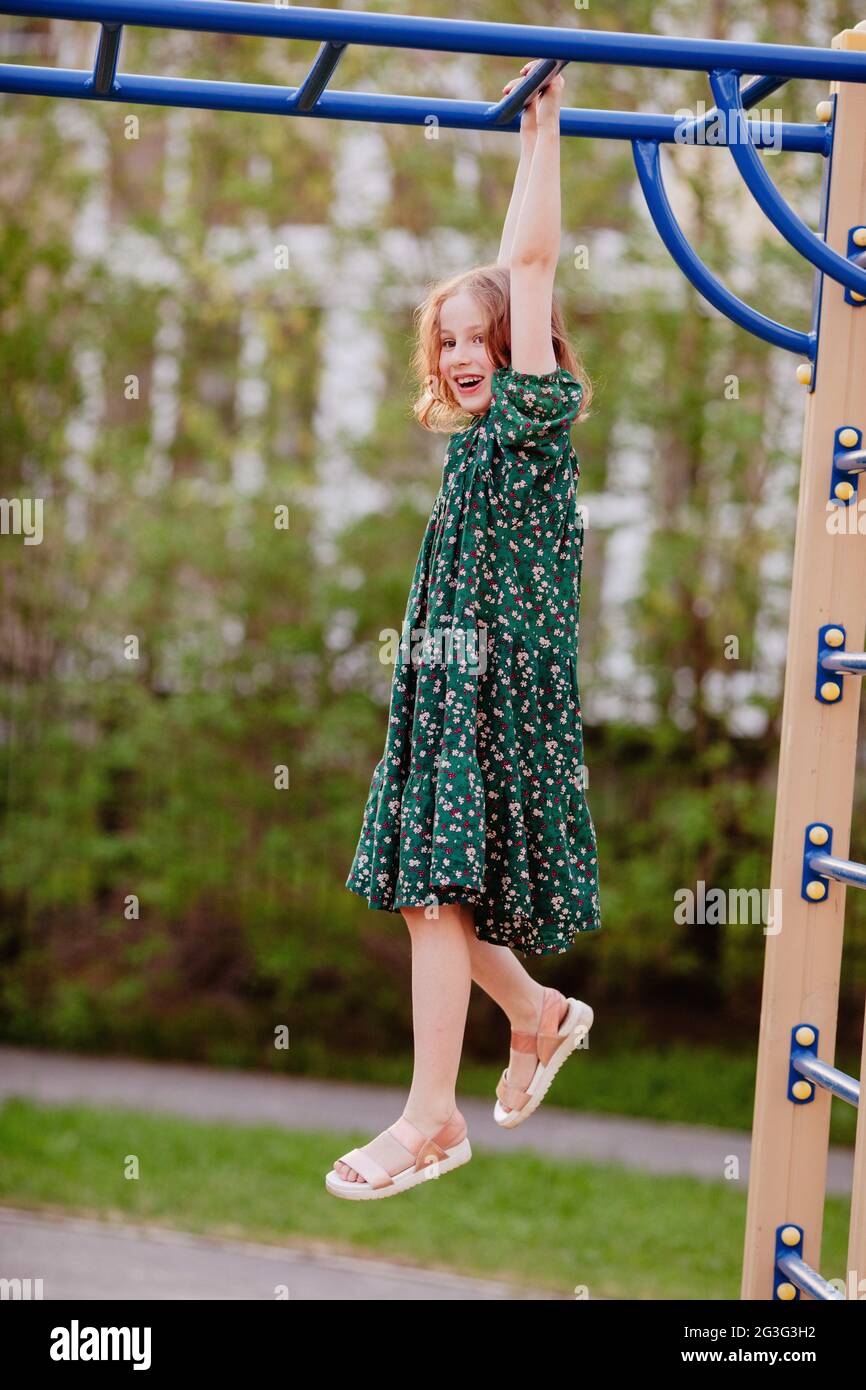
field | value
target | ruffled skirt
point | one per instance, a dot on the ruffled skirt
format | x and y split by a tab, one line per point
498	821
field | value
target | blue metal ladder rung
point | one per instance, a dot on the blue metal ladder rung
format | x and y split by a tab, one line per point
852	662
829	1078
107	54
316	80
807	1279
842	870
506	109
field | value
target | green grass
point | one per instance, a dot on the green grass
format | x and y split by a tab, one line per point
536	1222
692	1085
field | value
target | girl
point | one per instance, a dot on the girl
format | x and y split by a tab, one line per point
476	827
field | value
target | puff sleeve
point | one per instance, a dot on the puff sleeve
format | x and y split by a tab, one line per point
531	416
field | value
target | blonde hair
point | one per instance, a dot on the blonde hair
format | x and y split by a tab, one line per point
437	408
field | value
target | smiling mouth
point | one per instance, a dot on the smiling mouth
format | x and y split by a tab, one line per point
468	384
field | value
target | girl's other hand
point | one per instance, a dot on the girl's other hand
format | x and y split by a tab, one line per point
549	103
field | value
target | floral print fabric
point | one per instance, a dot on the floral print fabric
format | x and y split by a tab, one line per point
479	796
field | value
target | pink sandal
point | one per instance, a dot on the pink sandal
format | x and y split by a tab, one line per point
430	1157
563	1026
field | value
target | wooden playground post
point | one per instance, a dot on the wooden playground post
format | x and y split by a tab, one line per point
816	769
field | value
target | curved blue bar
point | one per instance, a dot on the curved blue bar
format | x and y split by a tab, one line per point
751	94
830	1078
647	158
726	90
807	1279
457	35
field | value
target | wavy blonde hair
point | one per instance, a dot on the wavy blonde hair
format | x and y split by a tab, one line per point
437	408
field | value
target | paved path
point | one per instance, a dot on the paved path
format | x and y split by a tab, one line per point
83	1260
247	1097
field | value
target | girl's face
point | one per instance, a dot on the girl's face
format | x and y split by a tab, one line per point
463	359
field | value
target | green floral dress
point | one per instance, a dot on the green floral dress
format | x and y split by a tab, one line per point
479	796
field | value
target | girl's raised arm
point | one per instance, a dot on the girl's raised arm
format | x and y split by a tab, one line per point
528	133
535	246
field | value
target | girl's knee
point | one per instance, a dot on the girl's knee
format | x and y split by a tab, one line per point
418	918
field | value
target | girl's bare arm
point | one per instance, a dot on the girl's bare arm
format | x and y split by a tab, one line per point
536	244
528	132
538	233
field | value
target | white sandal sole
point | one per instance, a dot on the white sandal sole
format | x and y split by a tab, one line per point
574	1027
411	1177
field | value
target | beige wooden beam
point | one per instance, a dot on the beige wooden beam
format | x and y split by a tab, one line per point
816	764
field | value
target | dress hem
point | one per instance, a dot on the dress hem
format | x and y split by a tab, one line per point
491	935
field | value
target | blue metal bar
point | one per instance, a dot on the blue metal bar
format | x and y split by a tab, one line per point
854	461
508	107
316	79
726	90
843	870
458	36
854	662
807	1279
107	55
647	158
839	1083
355	106
750	95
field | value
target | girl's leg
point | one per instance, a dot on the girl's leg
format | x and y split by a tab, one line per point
441	981
500	974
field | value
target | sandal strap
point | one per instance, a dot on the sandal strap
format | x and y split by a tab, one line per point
511	1096
429	1152
370	1170
548	1038
547	1045
370	1160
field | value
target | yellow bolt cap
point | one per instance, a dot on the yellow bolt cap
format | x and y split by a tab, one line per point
859	236
805	1035
786	1293
843	491
790	1236
848	437
804	373
834	637
802	1090
818	835
830	690
815	890
824	110
858	298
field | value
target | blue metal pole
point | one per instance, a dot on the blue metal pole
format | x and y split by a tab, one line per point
509	106
853	662
828	1077
842	870
457	36
107	54
695	132
135	88
316	79
726	89
807	1279
647	160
